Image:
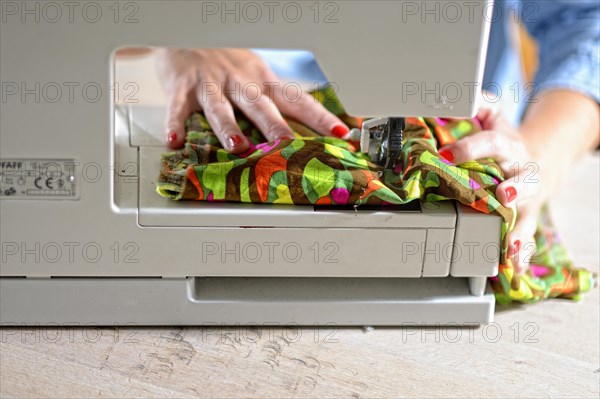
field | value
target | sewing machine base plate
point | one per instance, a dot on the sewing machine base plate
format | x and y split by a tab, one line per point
242	301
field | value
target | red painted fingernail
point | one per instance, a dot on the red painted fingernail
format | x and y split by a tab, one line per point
511	194
448	155
172	137
235	141
517	245
340	131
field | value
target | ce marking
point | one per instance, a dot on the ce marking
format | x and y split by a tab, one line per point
49	183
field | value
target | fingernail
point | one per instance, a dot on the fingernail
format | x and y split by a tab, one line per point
172	137
235	141
511	194
447	154
339	131
514	249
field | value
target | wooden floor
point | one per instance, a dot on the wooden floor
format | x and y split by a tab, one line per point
545	350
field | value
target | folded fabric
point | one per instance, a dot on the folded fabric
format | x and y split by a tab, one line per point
312	169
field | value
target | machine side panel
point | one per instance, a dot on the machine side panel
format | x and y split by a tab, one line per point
477	243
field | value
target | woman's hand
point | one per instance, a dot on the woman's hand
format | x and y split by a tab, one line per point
522	188
219	80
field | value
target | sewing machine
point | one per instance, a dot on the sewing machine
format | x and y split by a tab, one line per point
86	239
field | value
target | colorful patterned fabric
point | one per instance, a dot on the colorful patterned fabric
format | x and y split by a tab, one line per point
312	169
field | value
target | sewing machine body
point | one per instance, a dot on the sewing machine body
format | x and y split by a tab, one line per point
104	248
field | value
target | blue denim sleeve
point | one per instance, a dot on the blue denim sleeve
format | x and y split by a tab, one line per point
568	33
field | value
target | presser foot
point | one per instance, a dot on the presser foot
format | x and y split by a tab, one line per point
381	138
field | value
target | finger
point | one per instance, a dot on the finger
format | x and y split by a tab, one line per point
521	242
487	116
180	105
220	116
485	144
303	107
306	109
261	110
516	189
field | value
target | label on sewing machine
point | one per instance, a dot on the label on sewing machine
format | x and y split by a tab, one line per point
38	179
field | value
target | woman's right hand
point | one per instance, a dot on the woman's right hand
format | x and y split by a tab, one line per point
522	187
218	80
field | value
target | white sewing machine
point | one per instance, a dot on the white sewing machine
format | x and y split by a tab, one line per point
86	239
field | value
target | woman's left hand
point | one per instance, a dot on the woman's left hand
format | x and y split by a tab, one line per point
522	188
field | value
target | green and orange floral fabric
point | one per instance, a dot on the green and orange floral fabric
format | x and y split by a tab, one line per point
312	169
